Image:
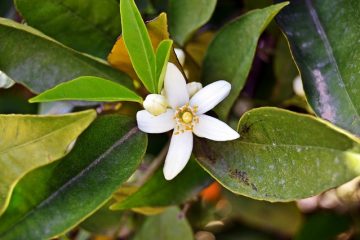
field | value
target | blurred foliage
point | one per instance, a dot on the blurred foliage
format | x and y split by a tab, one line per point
188	207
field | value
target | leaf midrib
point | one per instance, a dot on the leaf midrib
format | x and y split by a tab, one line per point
323	36
105	34
129	134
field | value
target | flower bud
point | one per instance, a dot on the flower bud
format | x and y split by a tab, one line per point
155	104
193	88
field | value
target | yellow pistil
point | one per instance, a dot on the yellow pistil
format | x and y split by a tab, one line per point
187	117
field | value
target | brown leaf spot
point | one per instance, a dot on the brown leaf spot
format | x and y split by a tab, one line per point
239	175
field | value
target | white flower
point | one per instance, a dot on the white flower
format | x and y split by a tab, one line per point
186	116
193	88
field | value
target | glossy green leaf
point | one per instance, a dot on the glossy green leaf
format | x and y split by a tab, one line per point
39	62
281	156
88	89
162	58
327	55
70	190
186	16
189	182
30	141
169	225
138	44
89	26
230	55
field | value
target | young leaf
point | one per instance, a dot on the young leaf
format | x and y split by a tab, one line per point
162	58
158	31
70	190
138	44
327	55
186	16
189	182
89	26
30	141
39	62
169	225
231	53
273	161
88	89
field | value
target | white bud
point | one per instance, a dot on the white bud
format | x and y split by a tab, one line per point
155	104
298	86
193	88
180	55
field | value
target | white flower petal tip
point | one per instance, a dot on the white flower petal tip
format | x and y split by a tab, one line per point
180	54
210	96
175	87
214	129
178	155
155	124
193	88
155	104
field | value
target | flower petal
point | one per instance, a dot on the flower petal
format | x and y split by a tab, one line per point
155	124
178	155
175	87
214	129
208	97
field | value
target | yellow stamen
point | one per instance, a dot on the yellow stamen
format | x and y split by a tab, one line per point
187	117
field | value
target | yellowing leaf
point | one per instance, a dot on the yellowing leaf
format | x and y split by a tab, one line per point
30	141
158	31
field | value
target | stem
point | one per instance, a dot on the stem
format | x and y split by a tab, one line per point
154	165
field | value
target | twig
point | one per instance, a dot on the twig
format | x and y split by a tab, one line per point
157	161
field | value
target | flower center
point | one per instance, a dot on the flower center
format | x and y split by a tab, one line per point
185	118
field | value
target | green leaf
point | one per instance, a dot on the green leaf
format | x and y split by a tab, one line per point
89	26
104	221
285	71
186	16
88	89
70	190
189	182
231	53
170	225
327	55
277	217
324	225
39	62
30	141
138	44
281	156
162	58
